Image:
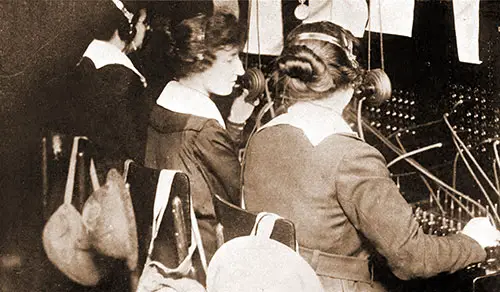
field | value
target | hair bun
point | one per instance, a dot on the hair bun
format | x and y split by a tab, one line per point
300	62
297	68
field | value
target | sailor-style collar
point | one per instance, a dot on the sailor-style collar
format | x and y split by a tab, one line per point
102	53
182	99
316	122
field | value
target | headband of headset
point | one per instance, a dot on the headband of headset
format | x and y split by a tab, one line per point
129	15
348	48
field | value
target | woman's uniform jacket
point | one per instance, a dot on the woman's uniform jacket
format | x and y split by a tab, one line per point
187	133
102	100
308	166
105	104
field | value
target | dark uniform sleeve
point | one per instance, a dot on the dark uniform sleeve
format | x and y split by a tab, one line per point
235	131
373	203
217	152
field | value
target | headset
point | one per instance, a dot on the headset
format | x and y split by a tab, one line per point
255	82
375	85
127	30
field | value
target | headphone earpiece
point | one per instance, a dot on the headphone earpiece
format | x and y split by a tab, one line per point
131	32
126	33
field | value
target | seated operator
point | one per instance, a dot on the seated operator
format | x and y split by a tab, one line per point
186	129
307	165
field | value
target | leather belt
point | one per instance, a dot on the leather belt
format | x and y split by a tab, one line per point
337	266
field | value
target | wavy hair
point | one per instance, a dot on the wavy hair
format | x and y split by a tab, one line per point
312	67
196	40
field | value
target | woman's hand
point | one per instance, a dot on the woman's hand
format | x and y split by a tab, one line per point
483	231
241	110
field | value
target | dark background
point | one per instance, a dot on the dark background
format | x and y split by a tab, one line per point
41	40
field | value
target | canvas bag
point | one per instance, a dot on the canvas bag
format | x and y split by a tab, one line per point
65	239
258	263
152	277
109	217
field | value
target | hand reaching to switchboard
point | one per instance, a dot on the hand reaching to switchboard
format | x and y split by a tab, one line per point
483	231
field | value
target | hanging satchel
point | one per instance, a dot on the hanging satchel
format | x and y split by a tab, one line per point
155	275
258	263
109	217
65	239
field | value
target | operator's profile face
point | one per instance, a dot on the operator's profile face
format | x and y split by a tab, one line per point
221	77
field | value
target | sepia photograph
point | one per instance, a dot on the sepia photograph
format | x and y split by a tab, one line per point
249	145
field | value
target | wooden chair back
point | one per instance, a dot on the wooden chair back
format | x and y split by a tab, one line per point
174	236
236	222
56	151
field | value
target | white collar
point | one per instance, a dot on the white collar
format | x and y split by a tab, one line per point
316	122
103	53
182	99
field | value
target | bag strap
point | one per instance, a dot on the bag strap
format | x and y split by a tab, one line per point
264	225
126	168
93	176
162	196
70	181
185	266
195	231
160	205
